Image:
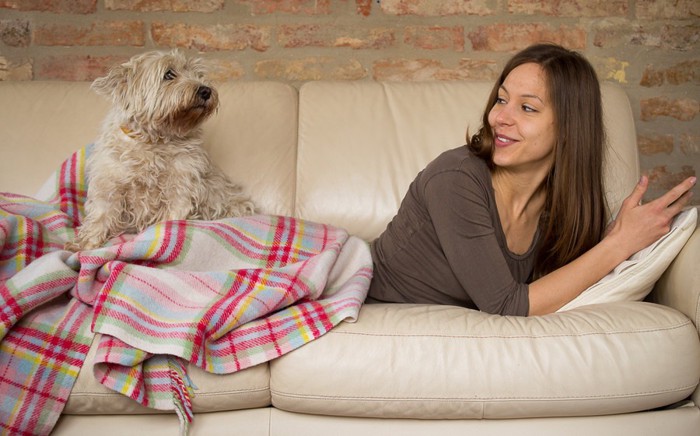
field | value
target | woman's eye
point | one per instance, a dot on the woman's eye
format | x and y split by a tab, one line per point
527	108
500	100
169	75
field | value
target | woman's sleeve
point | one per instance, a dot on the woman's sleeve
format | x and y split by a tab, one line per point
457	202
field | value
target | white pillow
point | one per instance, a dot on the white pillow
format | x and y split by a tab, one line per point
634	278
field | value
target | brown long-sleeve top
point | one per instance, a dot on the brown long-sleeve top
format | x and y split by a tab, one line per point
446	244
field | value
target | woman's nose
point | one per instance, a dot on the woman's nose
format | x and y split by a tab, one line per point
503	114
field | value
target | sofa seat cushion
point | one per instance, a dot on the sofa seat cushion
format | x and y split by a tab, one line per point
444	362
246	389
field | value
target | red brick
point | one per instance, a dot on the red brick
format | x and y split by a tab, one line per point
364	7
430	69
211	37
435	37
684	109
683	72
56	6
19	70
123	33
221	70
303	7
570	8
615	33
654	144
659	10
652	77
407	69
690	145
75	68
311	68
472	69
165	5
15	33
432	8
509	37
314	35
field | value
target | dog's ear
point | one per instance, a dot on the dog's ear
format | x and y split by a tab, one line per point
114	84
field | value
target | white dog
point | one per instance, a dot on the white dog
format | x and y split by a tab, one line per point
148	164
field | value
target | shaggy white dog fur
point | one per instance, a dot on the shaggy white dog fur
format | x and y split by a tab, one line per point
148	164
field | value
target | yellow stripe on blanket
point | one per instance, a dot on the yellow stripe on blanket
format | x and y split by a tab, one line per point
39	360
301	323
156	242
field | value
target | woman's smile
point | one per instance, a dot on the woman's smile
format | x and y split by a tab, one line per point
503	140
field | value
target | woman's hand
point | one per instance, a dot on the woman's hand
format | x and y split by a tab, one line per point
636	227
639	225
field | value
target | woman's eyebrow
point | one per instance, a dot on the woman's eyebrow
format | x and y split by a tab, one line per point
524	95
533	96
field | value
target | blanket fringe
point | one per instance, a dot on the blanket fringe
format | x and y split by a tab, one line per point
182	390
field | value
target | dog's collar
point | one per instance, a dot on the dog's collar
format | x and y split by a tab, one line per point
133	135
128	132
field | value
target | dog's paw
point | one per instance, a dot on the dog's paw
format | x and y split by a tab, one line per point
82	243
240	206
72	246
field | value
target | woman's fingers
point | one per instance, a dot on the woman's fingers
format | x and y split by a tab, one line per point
645	223
677	197
635	197
677	206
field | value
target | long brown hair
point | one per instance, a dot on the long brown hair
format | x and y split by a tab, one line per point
575	210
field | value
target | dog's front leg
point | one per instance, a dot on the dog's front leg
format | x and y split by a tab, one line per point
101	223
178	207
223	198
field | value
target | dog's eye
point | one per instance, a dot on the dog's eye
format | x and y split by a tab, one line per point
169	75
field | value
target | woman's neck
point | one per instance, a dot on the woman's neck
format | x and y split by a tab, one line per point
519	195
519	201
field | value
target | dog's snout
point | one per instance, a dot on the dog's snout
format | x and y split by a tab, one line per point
204	92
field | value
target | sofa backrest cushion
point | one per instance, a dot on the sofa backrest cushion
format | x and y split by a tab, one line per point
41	124
362	143
252	137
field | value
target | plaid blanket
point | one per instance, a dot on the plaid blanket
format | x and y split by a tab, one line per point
223	295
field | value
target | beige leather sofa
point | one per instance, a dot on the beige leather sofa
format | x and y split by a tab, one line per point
344	153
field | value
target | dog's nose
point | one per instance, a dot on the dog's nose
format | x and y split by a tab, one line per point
204	92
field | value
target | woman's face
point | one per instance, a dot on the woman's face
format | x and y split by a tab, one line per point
522	121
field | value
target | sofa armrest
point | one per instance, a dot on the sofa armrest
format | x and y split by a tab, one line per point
679	286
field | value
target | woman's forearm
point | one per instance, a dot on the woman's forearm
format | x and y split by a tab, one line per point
551	292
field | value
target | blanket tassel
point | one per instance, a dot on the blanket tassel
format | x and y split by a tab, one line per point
182	390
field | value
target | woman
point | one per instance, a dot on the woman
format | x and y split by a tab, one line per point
514	223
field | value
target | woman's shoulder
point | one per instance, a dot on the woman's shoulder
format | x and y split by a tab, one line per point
459	159
455	170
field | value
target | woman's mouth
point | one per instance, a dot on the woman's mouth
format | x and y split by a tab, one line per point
502	140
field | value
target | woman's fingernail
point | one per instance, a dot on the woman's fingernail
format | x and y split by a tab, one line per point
693	180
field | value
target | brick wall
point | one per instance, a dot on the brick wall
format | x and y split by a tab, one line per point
650	47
